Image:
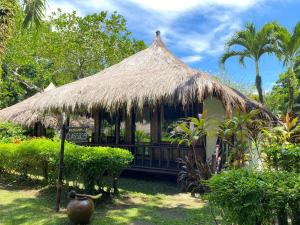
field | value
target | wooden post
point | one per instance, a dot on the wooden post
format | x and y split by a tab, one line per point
155	124
61	165
117	127
130	127
98	121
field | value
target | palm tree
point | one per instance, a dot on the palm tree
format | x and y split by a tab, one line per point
7	12
289	53
254	43
34	12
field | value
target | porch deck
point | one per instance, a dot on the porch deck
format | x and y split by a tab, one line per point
153	158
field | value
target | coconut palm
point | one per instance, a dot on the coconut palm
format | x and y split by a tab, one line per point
289	52
251	43
7	12
34	12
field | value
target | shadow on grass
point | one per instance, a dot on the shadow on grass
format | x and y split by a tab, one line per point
29	210
16	182
145	214
148	186
141	203
40	210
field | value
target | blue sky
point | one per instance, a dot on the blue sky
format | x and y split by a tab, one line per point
196	30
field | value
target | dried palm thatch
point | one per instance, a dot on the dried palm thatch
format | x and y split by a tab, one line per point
21	113
149	77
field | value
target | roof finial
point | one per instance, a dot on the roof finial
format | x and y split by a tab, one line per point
157	33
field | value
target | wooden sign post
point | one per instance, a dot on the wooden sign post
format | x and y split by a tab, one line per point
61	166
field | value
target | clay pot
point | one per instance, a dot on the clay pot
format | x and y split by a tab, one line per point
81	208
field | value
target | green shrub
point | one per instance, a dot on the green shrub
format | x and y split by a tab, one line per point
91	164
284	157
40	157
256	197
6	156
37	156
10	132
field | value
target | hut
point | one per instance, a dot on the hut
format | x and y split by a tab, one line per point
134	102
22	113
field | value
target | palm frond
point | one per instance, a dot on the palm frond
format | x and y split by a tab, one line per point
230	54
237	39
34	12
295	40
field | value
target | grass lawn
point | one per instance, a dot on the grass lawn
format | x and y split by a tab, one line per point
140	203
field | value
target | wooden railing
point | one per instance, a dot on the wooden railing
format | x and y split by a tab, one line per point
161	158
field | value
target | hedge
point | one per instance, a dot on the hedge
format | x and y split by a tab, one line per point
40	157
249	197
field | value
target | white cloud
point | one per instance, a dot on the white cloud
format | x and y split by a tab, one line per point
214	22
191	58
64	5
183	6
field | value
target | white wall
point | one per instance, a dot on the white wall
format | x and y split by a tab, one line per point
215	112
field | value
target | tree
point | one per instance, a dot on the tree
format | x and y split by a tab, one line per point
288	49
82	46
63	49
34	12
8	10
277	99
254	43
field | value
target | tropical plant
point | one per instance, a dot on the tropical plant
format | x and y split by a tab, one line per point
254	43
194	167
281	145
34	12
288	49
241	132
288	131
141	136
8	9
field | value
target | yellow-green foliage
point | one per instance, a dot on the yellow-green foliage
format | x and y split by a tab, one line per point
256	197
40	157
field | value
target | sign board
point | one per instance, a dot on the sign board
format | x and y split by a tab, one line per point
77	134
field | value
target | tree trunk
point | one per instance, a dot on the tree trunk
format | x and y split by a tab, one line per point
258	83
291	85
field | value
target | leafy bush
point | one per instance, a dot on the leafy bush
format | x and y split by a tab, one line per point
10	132
6	156
284	157
250	197
89	165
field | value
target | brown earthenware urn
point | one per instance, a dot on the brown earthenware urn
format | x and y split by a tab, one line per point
81	208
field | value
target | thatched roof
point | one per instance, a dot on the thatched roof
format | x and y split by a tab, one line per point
149	77
21	113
